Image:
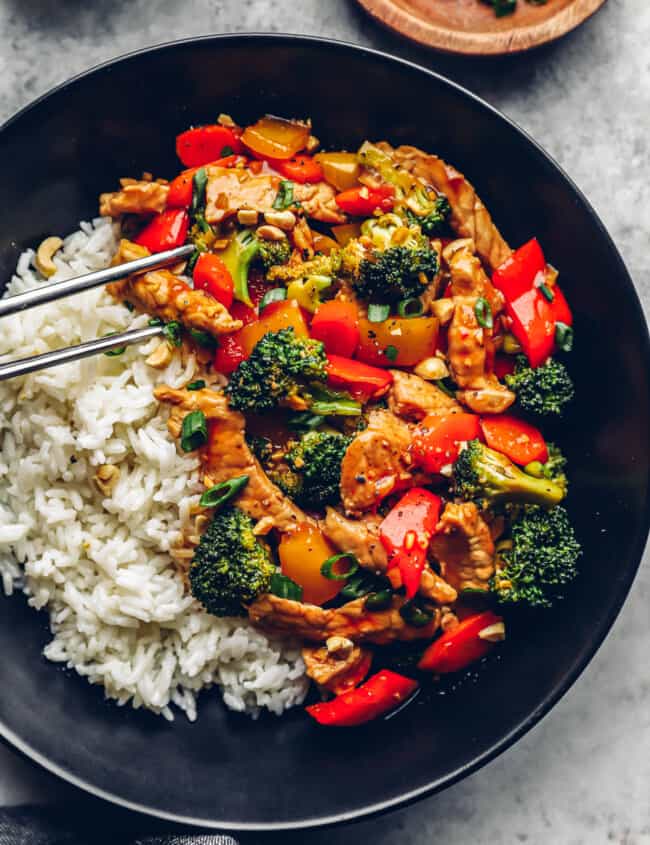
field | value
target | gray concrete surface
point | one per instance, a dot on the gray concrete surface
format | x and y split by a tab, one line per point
581	777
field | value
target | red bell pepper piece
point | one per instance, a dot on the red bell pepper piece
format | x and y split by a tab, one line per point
363	201
229	355
517	274
457	649
360	380
204	144
533	324
516	439
436	441
336	324
301	168
380	694
165	231
504	365
560	307
406	532
211	275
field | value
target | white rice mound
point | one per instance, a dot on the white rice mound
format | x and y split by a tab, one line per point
119	614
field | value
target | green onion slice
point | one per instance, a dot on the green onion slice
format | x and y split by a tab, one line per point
304	421
156	321
410	307
199	183
391	352
441	383
545	290
285	588
199	384
378	313
203	339
194	431
273	295
172	332
483	313
191	264
284	197
564	337
414	615
221	493
227	151
327	569
379	601
113	353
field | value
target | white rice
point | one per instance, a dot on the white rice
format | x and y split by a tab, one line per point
101	567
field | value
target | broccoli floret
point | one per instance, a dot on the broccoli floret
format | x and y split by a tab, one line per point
231	567
274	253
238	256
317	458
383	230
278	370
432	216
543	391
539	559
554	468
487	477
397	273
320	265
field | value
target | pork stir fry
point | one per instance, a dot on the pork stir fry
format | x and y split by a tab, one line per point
373	365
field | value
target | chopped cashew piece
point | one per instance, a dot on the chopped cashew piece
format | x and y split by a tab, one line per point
285	220
493	633
432	369
339	646
160	357
44	255
106	478
270	233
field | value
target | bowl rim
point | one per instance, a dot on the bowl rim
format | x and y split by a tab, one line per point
584	656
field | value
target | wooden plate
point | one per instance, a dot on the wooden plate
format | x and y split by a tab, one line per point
471	27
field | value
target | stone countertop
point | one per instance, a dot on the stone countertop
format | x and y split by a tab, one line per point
582	776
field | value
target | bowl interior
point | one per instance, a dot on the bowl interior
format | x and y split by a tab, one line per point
227	770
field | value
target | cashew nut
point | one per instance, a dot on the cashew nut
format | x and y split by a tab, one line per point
282	219
443	309
106	478
432	369
247	216
270	233
44	255
340	647
160	357
312	144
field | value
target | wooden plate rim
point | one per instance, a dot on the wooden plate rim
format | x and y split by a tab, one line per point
515	40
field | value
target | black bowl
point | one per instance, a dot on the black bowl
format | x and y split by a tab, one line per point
225	770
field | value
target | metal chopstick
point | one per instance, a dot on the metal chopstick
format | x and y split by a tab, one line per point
12	369
58	290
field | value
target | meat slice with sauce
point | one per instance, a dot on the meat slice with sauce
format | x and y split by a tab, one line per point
338	665
376	463
414	398
135	197
464	547
227	456
317	624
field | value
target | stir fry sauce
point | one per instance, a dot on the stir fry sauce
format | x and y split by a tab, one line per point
374	367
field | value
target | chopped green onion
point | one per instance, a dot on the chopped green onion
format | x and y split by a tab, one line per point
199	183
441	383
379	601
199	384
336	408
304	421
113	353
156	321
483	313
273	295
285	588
172	332
191	264
203	339
391	352
221	493
194	431
378	313
410	307
545	290
129	305
327	569
414	615
227	151
564	337
284	197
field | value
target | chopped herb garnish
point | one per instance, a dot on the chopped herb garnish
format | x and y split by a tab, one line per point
273	295
199	384
194	431
285	588
378	313
221	493
327	569
284	197
227	151
156	321
194	257
304	421
113	353
199	184
546	292
173	332
391	352
483	313
410	307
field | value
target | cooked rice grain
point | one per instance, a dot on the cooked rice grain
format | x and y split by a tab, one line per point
101	565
